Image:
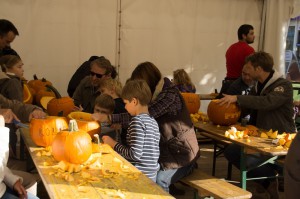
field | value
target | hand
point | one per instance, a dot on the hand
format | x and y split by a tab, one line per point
101	117
108	140
37	113
78	108
18	187
8	115
227	99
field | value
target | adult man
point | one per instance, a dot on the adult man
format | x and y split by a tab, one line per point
237	53
271	105
8	33
88	89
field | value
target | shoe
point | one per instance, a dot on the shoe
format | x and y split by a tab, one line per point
273	189
175	191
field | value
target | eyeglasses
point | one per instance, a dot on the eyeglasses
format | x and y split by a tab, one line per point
97	75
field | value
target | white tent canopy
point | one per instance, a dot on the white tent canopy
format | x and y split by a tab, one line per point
57	36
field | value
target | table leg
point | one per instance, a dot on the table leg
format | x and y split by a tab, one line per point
243	168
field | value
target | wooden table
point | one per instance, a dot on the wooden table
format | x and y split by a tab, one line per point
260	145
128	182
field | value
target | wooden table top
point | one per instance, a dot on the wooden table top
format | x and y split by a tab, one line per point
116	177
261	145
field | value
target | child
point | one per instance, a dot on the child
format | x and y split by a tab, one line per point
183	82
105	104
113	88
143	132
11	85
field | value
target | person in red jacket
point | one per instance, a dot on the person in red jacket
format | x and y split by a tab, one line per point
237	53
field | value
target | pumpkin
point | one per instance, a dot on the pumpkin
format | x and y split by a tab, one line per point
59	106
42	93
43	131
27	95
192	102
223	115
38	84
85	122
73	146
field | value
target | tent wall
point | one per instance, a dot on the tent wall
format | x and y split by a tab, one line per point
57	36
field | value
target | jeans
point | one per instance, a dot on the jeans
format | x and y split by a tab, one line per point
233	154
167	177
11	194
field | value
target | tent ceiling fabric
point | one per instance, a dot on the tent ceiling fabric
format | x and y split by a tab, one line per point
57	36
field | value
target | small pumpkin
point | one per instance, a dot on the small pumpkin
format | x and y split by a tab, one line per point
43	131
223	115
192	102
59	106
85	122
73	146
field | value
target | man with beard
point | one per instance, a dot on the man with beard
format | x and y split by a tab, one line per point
237	53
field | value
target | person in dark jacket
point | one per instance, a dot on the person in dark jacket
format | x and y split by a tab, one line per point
8	33
81	72
179	148
271	104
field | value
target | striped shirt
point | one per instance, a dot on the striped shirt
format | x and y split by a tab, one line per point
143	145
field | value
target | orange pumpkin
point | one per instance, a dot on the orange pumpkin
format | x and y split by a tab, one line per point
85	122
72	146
223	115
38	84
192	102
42	93
43	131
59	106
27	95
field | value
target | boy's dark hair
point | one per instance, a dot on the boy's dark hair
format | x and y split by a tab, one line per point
138	89
6	26
105	101
244	30
262	59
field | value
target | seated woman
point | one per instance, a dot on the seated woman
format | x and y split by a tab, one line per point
10	84
183	81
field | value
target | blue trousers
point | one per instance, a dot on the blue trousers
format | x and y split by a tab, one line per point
167	177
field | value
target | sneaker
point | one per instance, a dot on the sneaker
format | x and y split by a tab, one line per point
173	190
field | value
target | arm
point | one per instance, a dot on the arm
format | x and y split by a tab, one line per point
134	150
23	111
14	90
168	101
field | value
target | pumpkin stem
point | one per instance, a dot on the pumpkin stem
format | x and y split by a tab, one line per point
35	77
73	126
54	90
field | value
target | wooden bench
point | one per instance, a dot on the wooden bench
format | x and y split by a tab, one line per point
206	185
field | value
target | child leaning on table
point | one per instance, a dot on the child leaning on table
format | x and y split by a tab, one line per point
10	185
143	135
113	88
105	104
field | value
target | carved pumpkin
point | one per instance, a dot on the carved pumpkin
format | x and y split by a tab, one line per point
59	106
27	95
42	93
192	102
72	146
43	131
223	115
85	122
38	84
